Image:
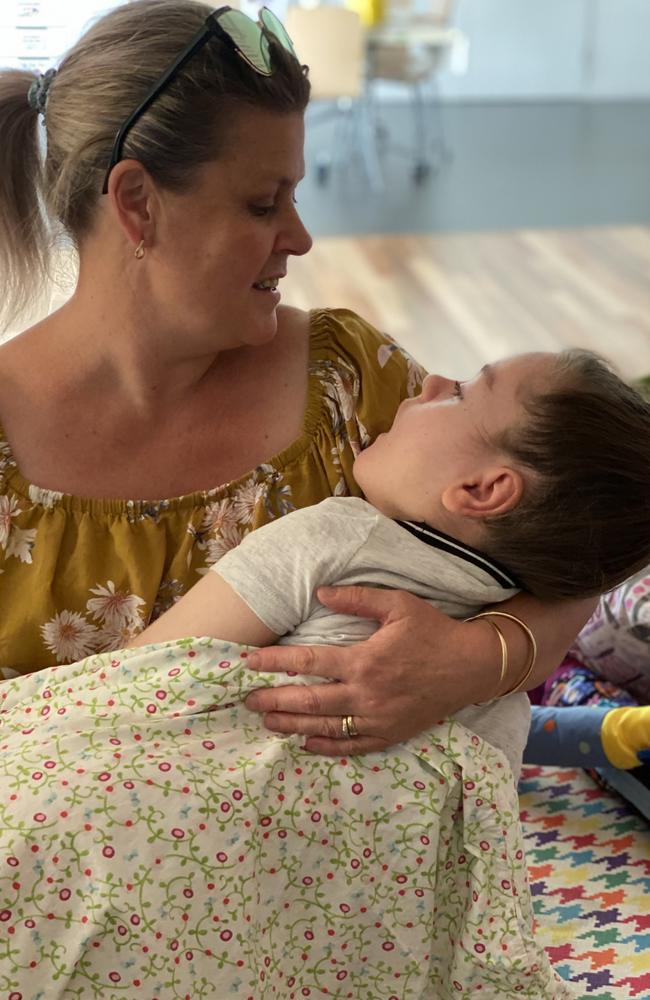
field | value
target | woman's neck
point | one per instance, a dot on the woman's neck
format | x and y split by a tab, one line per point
112	340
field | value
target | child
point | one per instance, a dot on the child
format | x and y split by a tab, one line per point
539	465
189	849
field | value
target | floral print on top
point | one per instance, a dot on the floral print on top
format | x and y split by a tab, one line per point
81	576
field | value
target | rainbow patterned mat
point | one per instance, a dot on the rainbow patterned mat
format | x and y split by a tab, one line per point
589	865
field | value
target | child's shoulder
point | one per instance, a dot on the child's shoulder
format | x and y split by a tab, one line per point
355	508
333	521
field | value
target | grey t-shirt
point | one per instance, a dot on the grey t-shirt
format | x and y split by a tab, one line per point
344	540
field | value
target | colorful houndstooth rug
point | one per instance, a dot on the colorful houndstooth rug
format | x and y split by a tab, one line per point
589	867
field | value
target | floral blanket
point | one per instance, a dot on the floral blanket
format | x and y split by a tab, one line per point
156	842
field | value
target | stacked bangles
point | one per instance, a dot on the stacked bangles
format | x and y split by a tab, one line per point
530	663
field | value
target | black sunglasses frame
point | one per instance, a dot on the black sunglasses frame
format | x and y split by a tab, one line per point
210	29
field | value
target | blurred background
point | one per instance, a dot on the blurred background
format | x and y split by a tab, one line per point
478	171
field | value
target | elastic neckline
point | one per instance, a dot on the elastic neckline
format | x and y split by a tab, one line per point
314	412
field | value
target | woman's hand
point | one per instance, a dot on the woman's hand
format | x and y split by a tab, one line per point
419	667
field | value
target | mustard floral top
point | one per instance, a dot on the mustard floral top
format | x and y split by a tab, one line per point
79	576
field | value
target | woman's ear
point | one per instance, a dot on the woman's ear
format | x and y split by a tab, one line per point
493	491
132	195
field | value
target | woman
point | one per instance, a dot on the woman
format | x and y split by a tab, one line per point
172	373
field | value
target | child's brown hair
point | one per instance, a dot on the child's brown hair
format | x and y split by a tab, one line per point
583	524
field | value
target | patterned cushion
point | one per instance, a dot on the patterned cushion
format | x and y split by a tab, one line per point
615	642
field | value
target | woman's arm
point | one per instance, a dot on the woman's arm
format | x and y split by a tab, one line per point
213	608
419	667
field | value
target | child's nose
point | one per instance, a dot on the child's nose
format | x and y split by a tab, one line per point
435	385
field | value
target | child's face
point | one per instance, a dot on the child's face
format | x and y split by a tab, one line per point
443	437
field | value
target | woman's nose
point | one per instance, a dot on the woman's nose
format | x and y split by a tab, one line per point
296	239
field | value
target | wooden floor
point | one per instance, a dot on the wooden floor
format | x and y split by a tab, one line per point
456	301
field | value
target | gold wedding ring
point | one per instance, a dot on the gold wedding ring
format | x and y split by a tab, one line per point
348	728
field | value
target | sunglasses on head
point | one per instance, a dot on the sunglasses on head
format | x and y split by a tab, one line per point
248	38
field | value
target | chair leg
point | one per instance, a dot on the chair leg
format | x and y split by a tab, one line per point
366	139
353	134
328	159
378	126
440	142
343	133
422	166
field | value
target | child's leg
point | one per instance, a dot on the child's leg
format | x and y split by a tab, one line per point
587	722
589	736
566	737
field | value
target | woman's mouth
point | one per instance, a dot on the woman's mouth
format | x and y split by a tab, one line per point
267	285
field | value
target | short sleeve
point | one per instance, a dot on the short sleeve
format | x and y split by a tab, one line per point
277	568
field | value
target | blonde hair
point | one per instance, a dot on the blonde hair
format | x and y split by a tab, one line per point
99	83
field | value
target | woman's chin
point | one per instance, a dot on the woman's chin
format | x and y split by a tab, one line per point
260	329
267	332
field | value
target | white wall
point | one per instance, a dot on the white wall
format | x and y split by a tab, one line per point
519	49
550	49
34	34
621	51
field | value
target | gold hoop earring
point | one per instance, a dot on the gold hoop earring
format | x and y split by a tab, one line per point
138	253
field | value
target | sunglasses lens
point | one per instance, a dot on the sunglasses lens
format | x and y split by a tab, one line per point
276	27
248	38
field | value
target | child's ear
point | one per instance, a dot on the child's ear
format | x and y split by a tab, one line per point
491	492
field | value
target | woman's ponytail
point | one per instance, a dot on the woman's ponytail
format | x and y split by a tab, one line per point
24	229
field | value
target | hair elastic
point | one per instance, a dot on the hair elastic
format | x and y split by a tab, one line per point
37	93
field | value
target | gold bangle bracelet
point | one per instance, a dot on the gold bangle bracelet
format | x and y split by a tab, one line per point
530	665
504	655
519	685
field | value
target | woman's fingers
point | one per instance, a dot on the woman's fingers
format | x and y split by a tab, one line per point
344	748
327	726
324	734
334	662
364	602
307	700
311	661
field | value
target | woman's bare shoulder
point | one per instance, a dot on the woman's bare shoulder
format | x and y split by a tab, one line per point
28	372
17	361
293	323
19	348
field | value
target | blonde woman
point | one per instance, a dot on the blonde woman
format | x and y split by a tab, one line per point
172	406
167	410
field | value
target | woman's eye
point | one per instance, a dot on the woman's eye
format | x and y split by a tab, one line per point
262	210
458	390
